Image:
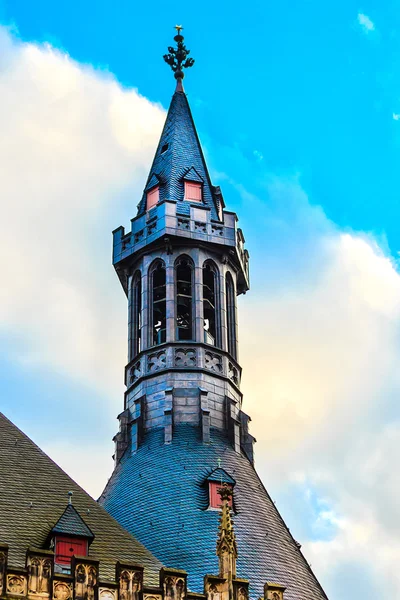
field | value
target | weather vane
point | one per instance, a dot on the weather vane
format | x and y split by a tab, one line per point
177	58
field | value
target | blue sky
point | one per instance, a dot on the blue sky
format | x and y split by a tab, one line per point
298	109
302	83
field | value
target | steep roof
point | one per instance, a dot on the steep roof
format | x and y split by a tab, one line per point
33	497
71	523
179	529
178	157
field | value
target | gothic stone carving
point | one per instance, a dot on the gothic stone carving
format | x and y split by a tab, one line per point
3	566
174	588
217	230
242	594
16	585
213	593
200	227
213	362
39	576
151	227
85	581
273	591
233	373
184	224
156	361
107	594
185	357
130	584
139	235
135	371
62	590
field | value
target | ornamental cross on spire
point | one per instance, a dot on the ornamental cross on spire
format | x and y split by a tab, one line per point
177	58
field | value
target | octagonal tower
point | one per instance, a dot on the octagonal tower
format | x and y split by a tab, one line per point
183	431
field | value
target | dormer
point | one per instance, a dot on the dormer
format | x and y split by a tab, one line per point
152	192
69	537
216	479
193	186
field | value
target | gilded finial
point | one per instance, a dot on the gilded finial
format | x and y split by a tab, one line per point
177	58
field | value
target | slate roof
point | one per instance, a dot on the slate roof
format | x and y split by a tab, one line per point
28	475
71	523
179	155
158	494
221	476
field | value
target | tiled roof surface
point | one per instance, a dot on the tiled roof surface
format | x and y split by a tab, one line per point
221	476
71	523
159	495
34	494
178	154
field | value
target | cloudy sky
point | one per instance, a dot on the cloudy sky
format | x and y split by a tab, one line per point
298	108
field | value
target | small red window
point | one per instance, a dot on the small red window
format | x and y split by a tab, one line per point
193	191
67	547
153	197
215	498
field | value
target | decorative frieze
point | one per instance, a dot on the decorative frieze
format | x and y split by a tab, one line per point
86	579
273	591
213	362
62	590
3	568
156	361
173	584
135	371
184	224
40	572
185	357
130	582
38	580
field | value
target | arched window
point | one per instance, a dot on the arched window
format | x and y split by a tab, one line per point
231	315
158	305
184	298
136	307
210	304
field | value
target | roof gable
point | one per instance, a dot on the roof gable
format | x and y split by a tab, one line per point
71	523
33	494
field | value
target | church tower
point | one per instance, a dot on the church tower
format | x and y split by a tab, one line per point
183	432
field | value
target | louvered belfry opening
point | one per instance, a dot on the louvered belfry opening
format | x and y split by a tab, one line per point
210	305
184	299
159	305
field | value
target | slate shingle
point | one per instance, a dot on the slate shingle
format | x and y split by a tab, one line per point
158	494
34	494
179	154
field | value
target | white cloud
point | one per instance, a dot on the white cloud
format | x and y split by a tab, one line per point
320	348
365	22
74	152
319	334
396	116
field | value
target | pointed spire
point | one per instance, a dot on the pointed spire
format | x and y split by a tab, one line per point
226	543
178	59
179	156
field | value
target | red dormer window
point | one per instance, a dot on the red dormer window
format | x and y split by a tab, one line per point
215	498
67	547
193	191
152	197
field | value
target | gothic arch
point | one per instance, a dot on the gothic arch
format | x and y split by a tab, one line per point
157	303
135	314
231	315
211	303
184	294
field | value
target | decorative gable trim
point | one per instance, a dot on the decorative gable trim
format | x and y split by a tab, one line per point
153	181
193	175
